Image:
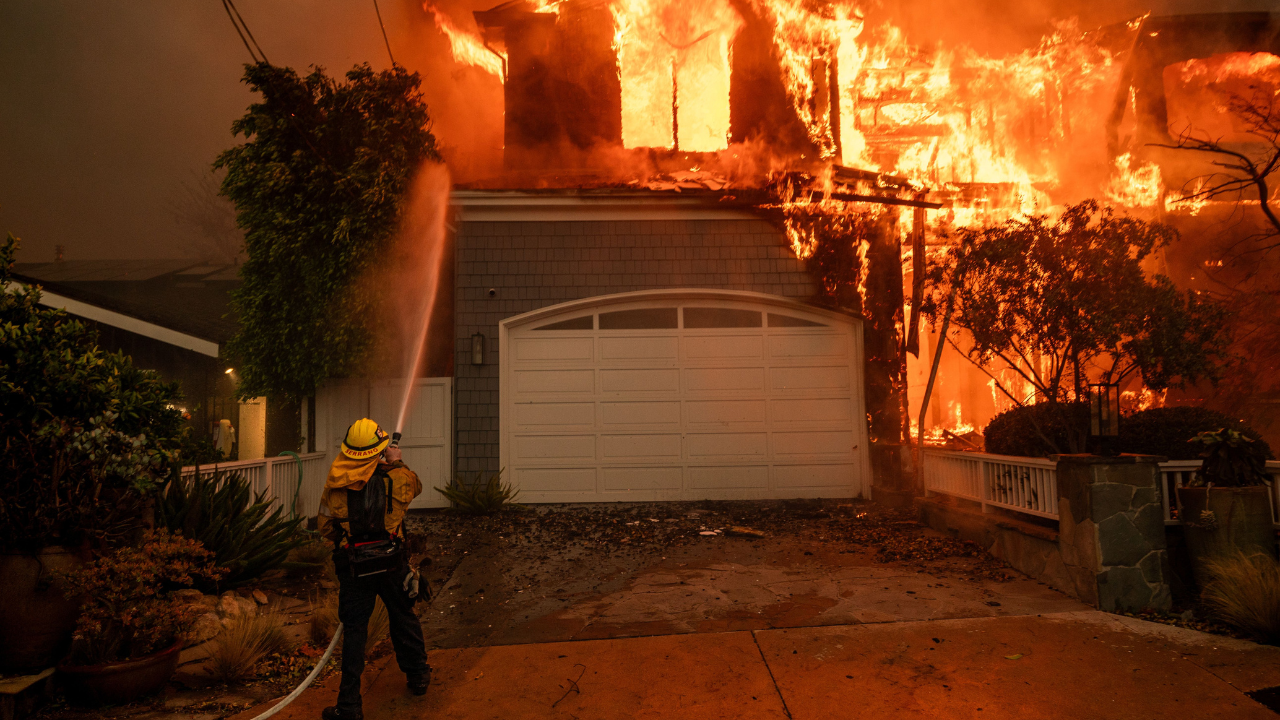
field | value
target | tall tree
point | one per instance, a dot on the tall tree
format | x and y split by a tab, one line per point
318	186
1050	304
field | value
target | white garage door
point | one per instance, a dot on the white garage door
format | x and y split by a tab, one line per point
682	395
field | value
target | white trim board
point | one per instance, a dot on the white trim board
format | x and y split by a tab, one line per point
507	206
126	322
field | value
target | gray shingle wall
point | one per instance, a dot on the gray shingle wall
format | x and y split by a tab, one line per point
536	264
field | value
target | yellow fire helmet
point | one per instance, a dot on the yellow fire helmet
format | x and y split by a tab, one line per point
365	440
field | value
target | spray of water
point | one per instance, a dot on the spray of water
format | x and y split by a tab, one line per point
422	242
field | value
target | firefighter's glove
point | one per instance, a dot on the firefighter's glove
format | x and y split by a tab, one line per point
411	582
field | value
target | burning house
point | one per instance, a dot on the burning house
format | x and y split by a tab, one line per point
699	273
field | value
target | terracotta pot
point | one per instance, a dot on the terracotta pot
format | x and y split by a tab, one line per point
1241	521
37	619
120	682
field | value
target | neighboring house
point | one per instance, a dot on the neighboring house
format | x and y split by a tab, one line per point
623	345
170	316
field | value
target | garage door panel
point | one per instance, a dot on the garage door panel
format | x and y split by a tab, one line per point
728	477
639	348
554	349
568	479
548	381
715	347
829	476
807	346
663	380
621	479
810	410
809	378
702	380
727	445
642	408
725	412
813	443
661	412
555	414
613	447
558	447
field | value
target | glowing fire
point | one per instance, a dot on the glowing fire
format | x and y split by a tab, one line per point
673	61
1135	184
467	48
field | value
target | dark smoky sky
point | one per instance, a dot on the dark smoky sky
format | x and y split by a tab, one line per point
111	110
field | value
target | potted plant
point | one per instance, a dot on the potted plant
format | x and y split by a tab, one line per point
84	438
131	626
1226	509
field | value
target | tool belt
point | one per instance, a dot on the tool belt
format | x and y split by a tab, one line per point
375	556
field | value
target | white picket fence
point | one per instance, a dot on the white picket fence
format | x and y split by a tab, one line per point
1030	485
278	477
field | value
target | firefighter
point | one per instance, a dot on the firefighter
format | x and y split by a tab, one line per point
362	512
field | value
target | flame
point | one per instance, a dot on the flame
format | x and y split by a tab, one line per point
673	63
468	48
1135	184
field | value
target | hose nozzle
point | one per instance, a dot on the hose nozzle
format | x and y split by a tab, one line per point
395	439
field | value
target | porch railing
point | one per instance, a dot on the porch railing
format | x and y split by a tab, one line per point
278	477
1030	485
1025	485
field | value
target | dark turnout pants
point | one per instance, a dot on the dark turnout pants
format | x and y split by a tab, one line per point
356	598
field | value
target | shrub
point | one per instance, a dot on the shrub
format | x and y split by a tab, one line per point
479	498
244	534
1230	460
127	610
245	640
1244	591
84	432
1167	431
1036	430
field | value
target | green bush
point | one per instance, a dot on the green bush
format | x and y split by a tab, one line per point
1168	431
479	498
1036	430
84	434
246	536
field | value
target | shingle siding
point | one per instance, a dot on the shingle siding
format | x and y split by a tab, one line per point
536	264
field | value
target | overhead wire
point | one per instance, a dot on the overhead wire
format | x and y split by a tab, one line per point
240	32
384	33
232	8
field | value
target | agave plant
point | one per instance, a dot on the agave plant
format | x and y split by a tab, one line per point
247	537
479	497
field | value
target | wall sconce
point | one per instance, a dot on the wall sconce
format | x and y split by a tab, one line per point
477	349
1104	414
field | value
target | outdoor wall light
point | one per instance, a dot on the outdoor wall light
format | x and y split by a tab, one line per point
477	349
230	370
1104	415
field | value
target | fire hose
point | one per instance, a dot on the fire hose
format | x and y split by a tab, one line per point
324	660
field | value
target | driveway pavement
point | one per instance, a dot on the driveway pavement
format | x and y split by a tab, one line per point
1081	664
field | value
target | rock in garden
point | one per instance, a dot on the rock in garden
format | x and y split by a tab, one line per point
743	531
231	605
260	597
205	628
187	596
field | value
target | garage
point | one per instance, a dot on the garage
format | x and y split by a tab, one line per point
682	395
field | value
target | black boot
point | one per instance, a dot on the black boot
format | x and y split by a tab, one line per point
418	683
336	713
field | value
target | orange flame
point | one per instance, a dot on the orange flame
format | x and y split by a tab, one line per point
468	48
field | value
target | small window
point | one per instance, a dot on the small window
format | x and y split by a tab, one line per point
579	323
776	320
641	319
709	317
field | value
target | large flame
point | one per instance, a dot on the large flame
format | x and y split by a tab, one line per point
673	61
468	48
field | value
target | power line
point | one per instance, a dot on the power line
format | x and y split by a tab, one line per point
384	33
239	32
230	6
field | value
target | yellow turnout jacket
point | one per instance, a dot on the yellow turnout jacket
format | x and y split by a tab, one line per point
351	474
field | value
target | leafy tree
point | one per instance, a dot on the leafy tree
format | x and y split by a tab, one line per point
1059	302
317	188
85	433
